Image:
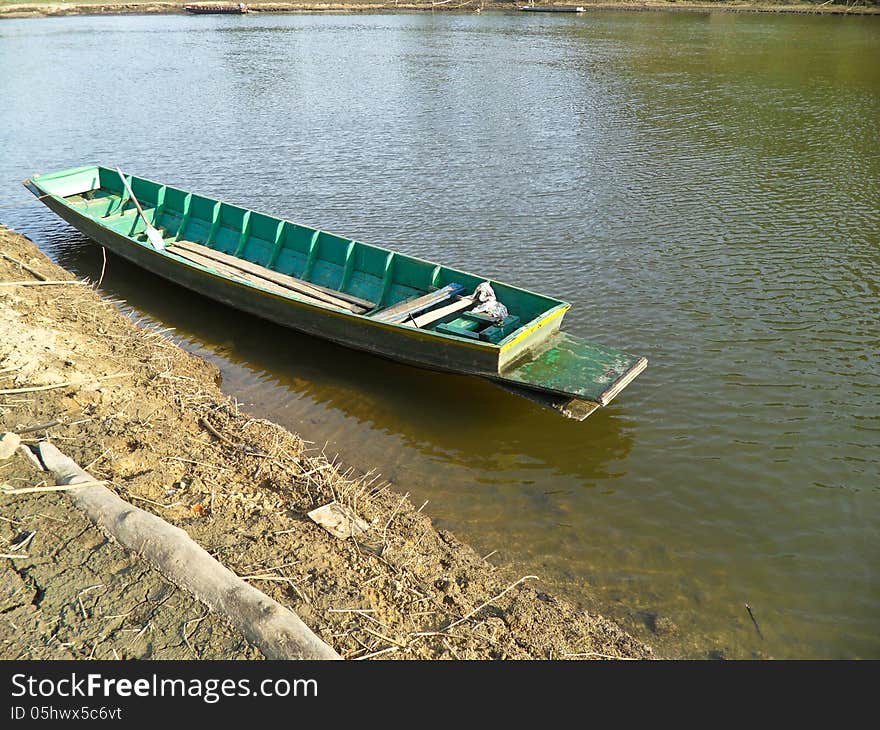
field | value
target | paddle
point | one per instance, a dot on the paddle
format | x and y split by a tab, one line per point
152	234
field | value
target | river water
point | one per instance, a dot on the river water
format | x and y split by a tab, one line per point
704	188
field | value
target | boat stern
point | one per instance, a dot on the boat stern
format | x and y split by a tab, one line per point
531	336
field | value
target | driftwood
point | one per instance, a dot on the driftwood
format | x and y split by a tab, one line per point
275	630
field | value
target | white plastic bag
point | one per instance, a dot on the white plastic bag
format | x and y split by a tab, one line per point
488	303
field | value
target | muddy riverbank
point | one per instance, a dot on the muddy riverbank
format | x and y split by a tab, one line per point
42	9
134	409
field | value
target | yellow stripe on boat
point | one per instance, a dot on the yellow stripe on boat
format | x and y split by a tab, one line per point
542	322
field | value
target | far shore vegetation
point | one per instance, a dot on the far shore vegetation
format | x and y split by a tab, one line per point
62	7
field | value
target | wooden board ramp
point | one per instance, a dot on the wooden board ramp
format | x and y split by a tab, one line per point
570	367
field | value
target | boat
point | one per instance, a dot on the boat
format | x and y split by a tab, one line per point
551	8
353	293
237	9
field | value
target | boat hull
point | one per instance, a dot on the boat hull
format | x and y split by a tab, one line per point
351	293
407	345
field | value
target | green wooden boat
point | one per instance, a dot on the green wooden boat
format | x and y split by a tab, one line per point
353	293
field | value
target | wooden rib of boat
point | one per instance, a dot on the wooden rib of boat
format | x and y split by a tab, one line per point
212	9
353	293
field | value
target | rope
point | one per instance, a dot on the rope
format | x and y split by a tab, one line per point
103	267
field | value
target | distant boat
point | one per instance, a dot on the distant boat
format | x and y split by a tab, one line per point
349	292
552	8
239	9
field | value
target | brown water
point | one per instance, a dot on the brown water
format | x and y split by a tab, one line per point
704	189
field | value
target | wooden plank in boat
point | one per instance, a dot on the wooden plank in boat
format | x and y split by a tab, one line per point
436	314
331	296
244	276
403	310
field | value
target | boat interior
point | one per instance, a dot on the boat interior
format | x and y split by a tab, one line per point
298	261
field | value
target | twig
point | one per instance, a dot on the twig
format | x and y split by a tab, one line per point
450	649
96	459
148	625
157	504
186	626
351	610
43	283
117	615
238	447
13	555
22	544
393	514
378	635
79	598
601	656
486	603
315	470
39	426
23	266
197	463
5	489
65	384
376	653
752	616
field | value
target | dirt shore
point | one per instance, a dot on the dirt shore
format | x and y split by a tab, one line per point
39	8
149	418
